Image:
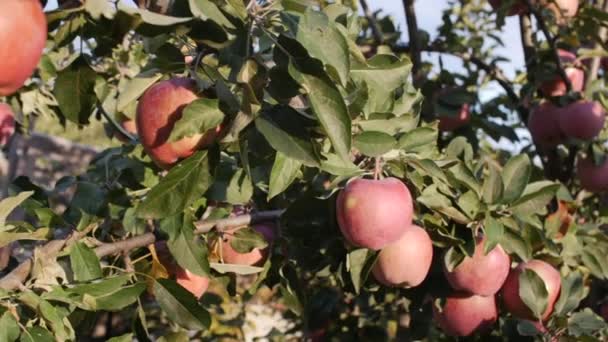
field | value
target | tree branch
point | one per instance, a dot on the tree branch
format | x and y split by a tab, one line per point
595	62
552	43
415	49
376	31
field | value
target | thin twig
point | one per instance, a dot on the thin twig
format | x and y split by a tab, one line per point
595	62
376	31
415	49
116	125
552	43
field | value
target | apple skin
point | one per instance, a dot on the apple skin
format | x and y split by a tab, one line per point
557	87
374	213
582	120
465	314
593	177
604	311
543	124
197	285
157	111
452	123
129	126
22	38
510	290
7	123
405	262
257	256
480	274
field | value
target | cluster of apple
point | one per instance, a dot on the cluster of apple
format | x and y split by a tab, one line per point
19	56
377	214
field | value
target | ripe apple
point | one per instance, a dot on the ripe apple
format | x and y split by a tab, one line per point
7	123
561	8
593	177
22	39
157	111
517	7
482	274
257	256
510	290
452	123
576	75
374	213
543	123
129	126
582	120
405	262
465	314
604	311
197	285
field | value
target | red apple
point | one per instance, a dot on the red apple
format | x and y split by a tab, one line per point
543	123
405	262
562	9
374	213
257	256
482	274
517	7
593	177
604	311
576	75
129	126
7	123
197	285
464	314
510	290
22	39
452	123
582	120
157	111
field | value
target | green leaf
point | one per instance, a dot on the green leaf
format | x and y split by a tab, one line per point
57	320
284	171
494	232
9	204
360	262
36	334
585	322
339	167
535	198
206	9
389	123
123	338
180	305
533	292
74	91
492	188
288	139
9	330
571	293
101	288
136	87
85	263
37	235
419	137
185	183
132	223
324	41
237	269
464	176
197	118
188	251
433	199
246	240
374	144
515	176
470	204
452	258
120	299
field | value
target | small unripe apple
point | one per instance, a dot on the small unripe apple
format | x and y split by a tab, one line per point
7	123
482	274
582	120
158	110
465	314
543	123
197	285
374	213
22	39
510	291
257	256
593	177
452	123
557	86
405	262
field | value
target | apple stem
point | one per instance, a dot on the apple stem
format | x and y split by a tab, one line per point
377	169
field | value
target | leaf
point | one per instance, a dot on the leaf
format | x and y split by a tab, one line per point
292	141
9	330
206	9
180	305
38	234
9	204
284	171
120	299
237	269
585	322
189	253
136	87
360	262
85	263
198	117
74	91
535	198
185	183
123	338
571	293
464	176
36	334
470	204
494	232
374	144
452	258
100	288
533	292
336	166
515	176
390	124
246	240
324	42
57	320
419	137
132	223
492	188
46	270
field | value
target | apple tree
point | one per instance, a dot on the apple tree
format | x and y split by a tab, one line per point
300	151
